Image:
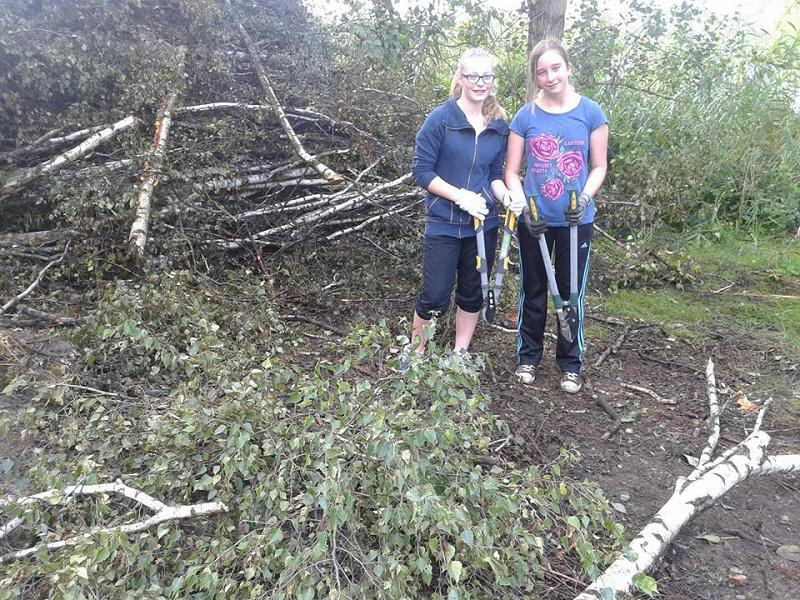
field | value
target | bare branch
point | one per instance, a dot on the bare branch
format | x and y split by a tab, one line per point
651	393
713	416
163	513
13	302
328	173
317	215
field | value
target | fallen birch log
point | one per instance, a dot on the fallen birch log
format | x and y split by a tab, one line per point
326	172
707	483
137	239
26	176
163	513
316	215
76	135
199	108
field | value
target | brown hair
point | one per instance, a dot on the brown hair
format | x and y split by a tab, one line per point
491	108
533	60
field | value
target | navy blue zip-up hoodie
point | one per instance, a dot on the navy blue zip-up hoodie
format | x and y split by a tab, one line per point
447	147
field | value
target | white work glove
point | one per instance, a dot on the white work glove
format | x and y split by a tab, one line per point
514	201
472	203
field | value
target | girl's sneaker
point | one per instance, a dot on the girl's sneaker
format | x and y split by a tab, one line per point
404	360
526	374
571	383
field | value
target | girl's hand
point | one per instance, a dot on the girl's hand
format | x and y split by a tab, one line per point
514	201
574	217
471	203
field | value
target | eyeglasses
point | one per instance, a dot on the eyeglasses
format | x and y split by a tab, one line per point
474	78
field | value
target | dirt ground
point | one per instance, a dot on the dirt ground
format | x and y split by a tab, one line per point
638	465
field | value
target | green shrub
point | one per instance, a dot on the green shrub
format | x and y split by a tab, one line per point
339	485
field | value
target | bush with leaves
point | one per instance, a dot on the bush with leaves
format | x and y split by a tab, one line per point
337	482
703	128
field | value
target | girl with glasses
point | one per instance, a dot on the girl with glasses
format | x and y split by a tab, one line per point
458	159
564	138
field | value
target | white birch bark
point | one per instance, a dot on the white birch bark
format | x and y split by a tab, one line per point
76	135
198	108
707	483
137	239
362	225
163	512
783	464
713	416
316	215
26	176
682	506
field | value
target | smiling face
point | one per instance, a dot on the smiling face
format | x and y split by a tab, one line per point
471	68
552	74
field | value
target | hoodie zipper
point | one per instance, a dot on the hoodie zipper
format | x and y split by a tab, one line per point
474	155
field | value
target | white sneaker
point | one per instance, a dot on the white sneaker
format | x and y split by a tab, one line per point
526	374
571	383
404	360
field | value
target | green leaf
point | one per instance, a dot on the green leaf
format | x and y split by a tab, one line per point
573	522
468	537
454	570
608	594
276	537
417	494
645	584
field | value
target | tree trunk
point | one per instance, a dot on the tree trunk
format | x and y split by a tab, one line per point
138	235
545	20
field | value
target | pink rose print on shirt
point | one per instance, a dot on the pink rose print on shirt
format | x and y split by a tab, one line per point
553	189
544	147
570	164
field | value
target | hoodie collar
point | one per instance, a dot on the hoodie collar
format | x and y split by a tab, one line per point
455	118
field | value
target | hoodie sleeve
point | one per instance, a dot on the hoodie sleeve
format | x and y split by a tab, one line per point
496	168
426	152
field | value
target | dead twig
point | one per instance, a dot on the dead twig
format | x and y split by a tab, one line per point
651	393
613	349
15	300
47	317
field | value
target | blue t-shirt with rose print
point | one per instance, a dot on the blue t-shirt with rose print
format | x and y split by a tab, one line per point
557	153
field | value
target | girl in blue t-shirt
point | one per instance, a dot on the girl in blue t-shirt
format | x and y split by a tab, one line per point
564	138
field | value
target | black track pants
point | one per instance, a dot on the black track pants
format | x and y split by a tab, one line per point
534	294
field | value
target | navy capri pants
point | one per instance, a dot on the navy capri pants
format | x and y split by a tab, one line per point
448	262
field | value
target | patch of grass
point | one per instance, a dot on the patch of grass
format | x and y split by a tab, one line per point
679	308
729	254
665	306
